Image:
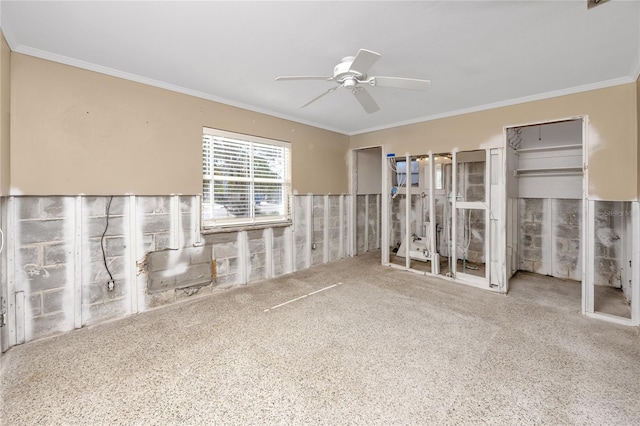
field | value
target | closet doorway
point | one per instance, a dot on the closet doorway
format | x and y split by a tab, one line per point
554	229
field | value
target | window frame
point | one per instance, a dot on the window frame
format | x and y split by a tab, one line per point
253	220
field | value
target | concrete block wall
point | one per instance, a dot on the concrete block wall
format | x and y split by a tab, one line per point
373	222
532	231
612	219
471	184
337	235
368	217
303	221
550	235
567	238
56	275
471	235
361	223
319	225
245	256
398	217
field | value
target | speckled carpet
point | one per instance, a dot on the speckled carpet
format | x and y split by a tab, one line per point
377	346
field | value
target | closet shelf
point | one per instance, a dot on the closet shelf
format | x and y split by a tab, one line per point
550	148
550	171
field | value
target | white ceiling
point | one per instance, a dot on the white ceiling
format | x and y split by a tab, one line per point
477	54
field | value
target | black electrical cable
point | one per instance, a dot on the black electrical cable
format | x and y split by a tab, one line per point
111	282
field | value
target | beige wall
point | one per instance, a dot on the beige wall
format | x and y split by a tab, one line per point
76	131
612	135
5	107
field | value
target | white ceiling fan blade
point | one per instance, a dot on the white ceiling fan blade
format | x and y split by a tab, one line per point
402	83
364	60
304	77
365	99
321	95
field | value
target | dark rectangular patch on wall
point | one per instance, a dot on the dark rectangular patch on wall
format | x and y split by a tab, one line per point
175	269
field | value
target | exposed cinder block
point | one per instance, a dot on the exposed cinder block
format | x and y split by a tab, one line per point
41	278
194	291
42	231
28	207
47	325
52	301
257	274
58	253
151	205
30	254
55	207
161	298
35	304
186	204
162	241
227	281
117	267
256	245
159	281
222	267
225	250
96	226
201	254
195	274
93	292
95	206
115	246
155	223
167	259
257	260
100	312
172	269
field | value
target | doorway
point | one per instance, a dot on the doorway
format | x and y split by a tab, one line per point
444	214
366	190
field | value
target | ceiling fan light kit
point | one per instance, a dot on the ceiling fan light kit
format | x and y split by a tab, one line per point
351	73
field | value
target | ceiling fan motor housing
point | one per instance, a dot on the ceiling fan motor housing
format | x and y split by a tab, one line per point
344	75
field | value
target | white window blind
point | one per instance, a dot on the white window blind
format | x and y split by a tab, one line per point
246	179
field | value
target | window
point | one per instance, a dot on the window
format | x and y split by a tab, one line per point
246	180
401	173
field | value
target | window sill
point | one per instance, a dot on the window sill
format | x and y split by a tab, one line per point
238	228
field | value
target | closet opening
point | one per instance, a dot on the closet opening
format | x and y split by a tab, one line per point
582	247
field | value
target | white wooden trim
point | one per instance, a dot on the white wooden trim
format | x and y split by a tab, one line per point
435	258
407	225
243	257
174	235
325	235
11	247
20	313
385	207
378	196
343	225
635	263
77	264
454	214
268	245
309	215
588	259
133	256
366	223
197	221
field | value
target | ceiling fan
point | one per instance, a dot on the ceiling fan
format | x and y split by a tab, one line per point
351	73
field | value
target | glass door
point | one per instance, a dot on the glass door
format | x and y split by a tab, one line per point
470	218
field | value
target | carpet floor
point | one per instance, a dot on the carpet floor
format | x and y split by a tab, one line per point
351	342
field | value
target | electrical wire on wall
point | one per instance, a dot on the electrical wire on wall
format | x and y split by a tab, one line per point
111	284
394	168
